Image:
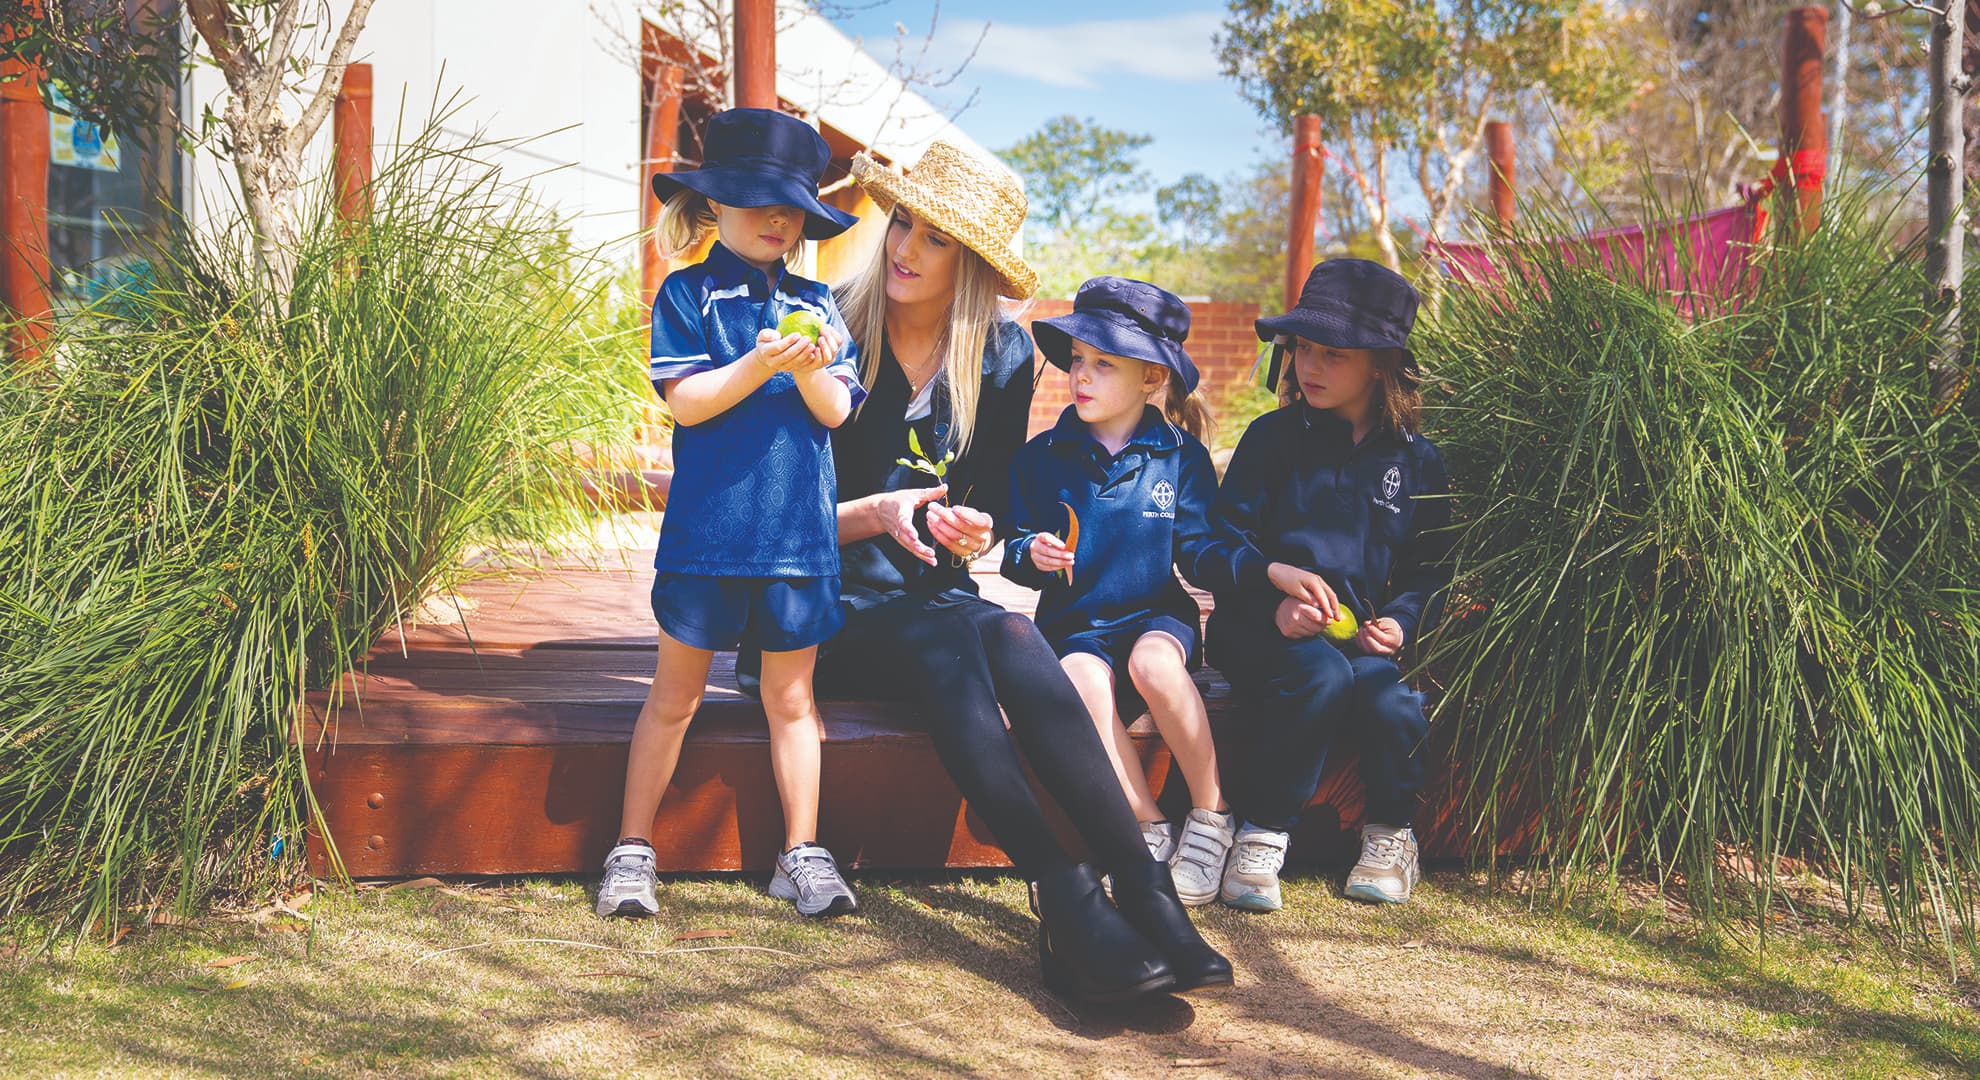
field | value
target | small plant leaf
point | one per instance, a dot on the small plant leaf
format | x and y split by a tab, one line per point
914	444
230	961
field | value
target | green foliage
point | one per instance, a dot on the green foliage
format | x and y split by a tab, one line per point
205	512
1074	169
112	64
1714	599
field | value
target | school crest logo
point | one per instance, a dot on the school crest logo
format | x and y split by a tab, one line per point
1165	495
1391	483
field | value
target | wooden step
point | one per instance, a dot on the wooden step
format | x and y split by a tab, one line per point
496	744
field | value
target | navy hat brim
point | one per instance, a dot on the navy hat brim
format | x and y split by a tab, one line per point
1117	336
1326	328
752	187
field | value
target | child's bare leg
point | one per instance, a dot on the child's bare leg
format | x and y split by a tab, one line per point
679	677
1094	680
795	732
1159	667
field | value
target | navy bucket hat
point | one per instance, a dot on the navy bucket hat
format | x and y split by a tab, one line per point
1123	317
1348	304
761	157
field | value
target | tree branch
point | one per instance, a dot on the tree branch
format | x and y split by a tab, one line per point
333	78
281	38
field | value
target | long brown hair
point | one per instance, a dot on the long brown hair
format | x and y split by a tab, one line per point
1186	409
1399	401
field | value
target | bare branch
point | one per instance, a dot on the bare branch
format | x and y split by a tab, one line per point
333	78
281	39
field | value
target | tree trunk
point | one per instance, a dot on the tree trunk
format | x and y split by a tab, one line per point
1945	200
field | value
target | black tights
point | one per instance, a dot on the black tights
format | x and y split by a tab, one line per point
960	659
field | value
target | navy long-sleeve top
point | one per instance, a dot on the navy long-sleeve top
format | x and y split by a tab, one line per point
1370	518
1142	512
868	448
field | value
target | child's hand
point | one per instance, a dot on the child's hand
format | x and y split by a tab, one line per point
1306	586
781	353
1381	637
1297	619
1048	553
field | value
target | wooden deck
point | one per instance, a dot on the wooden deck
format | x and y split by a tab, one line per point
495	743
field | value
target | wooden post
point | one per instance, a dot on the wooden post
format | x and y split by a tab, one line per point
350	162
755	54
1499	152
1802	131
24	265
663	133
1306	167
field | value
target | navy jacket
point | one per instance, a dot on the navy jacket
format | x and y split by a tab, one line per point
1141	513
868	448
1370	519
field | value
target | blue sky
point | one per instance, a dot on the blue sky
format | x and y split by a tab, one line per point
1148	66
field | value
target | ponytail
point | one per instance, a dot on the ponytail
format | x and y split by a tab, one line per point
685	220
1187	409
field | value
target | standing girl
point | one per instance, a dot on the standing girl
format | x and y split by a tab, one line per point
1333	509
748	548
1138	483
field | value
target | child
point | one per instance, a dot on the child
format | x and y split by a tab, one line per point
748	548
1139	484
1333	505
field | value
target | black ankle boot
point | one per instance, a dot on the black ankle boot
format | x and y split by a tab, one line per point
1088	952
1146	897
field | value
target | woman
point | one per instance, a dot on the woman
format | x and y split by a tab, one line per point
940	360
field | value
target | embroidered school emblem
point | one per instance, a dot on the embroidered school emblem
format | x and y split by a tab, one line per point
1391	482
1165	495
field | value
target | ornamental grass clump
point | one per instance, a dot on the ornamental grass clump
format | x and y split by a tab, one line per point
207	509
1714	605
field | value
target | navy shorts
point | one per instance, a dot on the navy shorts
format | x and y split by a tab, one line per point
771	614
1113	645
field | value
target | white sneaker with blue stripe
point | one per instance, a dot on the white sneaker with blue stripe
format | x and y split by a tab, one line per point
808	877
628	885
1386	873
1251	878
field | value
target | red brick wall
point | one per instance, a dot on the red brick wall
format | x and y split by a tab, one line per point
1221	341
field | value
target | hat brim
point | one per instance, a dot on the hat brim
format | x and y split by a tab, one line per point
751	188
888	188
1325	328
1056	335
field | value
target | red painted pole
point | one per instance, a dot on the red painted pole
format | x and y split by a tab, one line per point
24	265
1499	151
350	163
1803	134
663	133
756	54
1306	165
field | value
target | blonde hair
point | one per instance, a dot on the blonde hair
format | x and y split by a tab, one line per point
973	312
1398	406
1186	408
686	219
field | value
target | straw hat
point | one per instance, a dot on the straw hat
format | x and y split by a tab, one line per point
976	201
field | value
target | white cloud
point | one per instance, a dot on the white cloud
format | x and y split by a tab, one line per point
1074	55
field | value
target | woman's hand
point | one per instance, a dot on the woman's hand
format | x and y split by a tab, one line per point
1049	554
1382	637
1297	619
894	510
964	530
1305	586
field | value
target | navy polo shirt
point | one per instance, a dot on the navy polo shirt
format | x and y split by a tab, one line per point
754	492
1142	512
1371	519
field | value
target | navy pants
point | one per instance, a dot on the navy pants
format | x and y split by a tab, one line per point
1296	700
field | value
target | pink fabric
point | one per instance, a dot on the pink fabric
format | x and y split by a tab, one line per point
1701	262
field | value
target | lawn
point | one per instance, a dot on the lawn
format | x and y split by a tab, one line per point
937	975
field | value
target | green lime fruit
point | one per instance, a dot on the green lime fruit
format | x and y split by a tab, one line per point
801	322
1341	629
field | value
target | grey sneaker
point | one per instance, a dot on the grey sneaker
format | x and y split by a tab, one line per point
1387	870
807	876
1160	836
1251	878
628	886
1201	851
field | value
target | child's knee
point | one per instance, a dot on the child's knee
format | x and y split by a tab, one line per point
1157	662
1397	712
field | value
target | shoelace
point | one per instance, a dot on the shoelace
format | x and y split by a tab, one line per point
1383	850
1257	858
623	870
809	872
